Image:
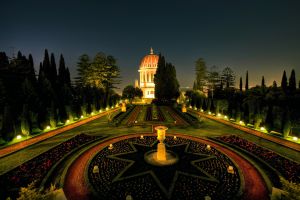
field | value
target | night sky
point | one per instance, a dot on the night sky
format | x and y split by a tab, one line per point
262	36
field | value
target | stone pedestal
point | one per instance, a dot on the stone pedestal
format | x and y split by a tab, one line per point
161	151
161	148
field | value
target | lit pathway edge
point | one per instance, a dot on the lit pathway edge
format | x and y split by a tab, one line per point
280	141
23	144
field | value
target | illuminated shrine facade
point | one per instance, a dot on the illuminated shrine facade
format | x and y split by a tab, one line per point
147	70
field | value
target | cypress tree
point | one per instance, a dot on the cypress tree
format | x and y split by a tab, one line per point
25	123
246	114
286	123
53	115
159	77
269	119
41	72
62	71
241	84
263	82
284	82
53	71
68	77
31	70
247	82
292	81
46	65
7	130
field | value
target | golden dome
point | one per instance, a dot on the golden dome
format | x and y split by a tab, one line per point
149	61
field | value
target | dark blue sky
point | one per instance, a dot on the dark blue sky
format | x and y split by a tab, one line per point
262	36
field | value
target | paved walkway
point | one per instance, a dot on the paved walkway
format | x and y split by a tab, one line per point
76	187
21	145
277	140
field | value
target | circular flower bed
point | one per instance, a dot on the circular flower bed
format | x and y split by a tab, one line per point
199	172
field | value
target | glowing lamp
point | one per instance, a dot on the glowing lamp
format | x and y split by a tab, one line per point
175	138
19	137
208	147
202	110
107	108
219	115
81	116
230	169
295	138
225	117
110	146
262	128
209	113
96	169
92	113
142	137
48	127
68	121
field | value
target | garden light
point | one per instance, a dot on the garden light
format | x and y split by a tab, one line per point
19	137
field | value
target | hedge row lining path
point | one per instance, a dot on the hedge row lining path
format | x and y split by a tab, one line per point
23	144
277	140
76	187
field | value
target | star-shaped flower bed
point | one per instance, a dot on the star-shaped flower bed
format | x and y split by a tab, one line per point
127	172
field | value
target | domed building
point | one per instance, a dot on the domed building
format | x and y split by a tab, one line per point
147	70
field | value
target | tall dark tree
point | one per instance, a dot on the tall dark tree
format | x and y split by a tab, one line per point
8	127
31	70
247	82
263	82
269	119
166	84
228	77
53	71
158	77
286	123
128	93
241	84
61	71
292	81
284	84
46	65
